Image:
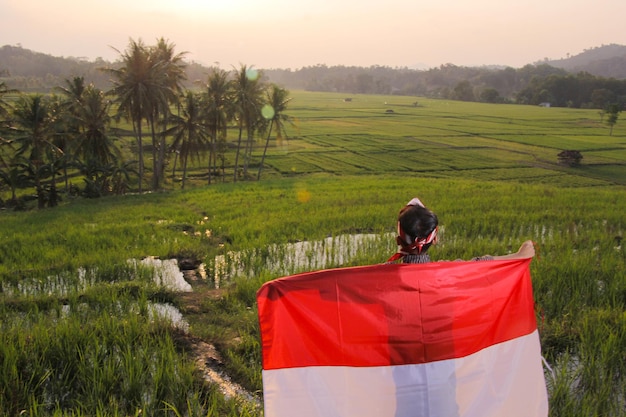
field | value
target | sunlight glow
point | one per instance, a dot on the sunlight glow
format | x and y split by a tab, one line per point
193	8
293	34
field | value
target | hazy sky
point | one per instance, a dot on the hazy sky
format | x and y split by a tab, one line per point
297	33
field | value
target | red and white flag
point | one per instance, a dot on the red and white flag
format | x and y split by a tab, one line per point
444	339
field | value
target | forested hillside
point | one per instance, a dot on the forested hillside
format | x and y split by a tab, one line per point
592	79
605	61
27	70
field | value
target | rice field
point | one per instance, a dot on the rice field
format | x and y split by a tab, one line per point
442	138
81	332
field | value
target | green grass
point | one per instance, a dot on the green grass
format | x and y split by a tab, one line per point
573	279
359	137
439	138
80	337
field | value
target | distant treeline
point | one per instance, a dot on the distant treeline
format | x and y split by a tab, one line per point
535	84
532	84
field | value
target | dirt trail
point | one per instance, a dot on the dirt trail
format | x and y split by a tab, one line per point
209	363
206	356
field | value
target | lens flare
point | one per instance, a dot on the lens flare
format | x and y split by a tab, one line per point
252	74
303	196
268	112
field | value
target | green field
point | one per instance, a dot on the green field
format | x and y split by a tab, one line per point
78	322
446	139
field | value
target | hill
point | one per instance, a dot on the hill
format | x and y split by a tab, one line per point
29	71
26	70
605	61
19	64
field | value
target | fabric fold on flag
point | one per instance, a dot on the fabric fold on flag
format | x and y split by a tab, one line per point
438	339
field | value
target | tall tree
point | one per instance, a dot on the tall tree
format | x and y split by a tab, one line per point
173	67
274	111
73	92
69	129
141	89
14	176
62	140
247	101
188	130
31	116
131	93
464	91
94	143
612	110
5	114
4	105
217	99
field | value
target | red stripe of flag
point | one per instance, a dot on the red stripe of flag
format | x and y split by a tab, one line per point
393	314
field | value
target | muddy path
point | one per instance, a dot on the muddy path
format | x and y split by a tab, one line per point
205	355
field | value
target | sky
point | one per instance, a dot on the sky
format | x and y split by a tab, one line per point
291	34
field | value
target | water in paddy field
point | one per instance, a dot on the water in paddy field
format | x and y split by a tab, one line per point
166	273
290	258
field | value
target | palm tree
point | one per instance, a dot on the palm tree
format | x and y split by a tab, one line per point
277	104
172	65
4	106
94	144
14	177
68	124
131	94
62	138
217	99
34	132
140	87
5	114
120	177
73	91
189	132
248	92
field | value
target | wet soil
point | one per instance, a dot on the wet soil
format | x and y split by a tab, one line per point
204	353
